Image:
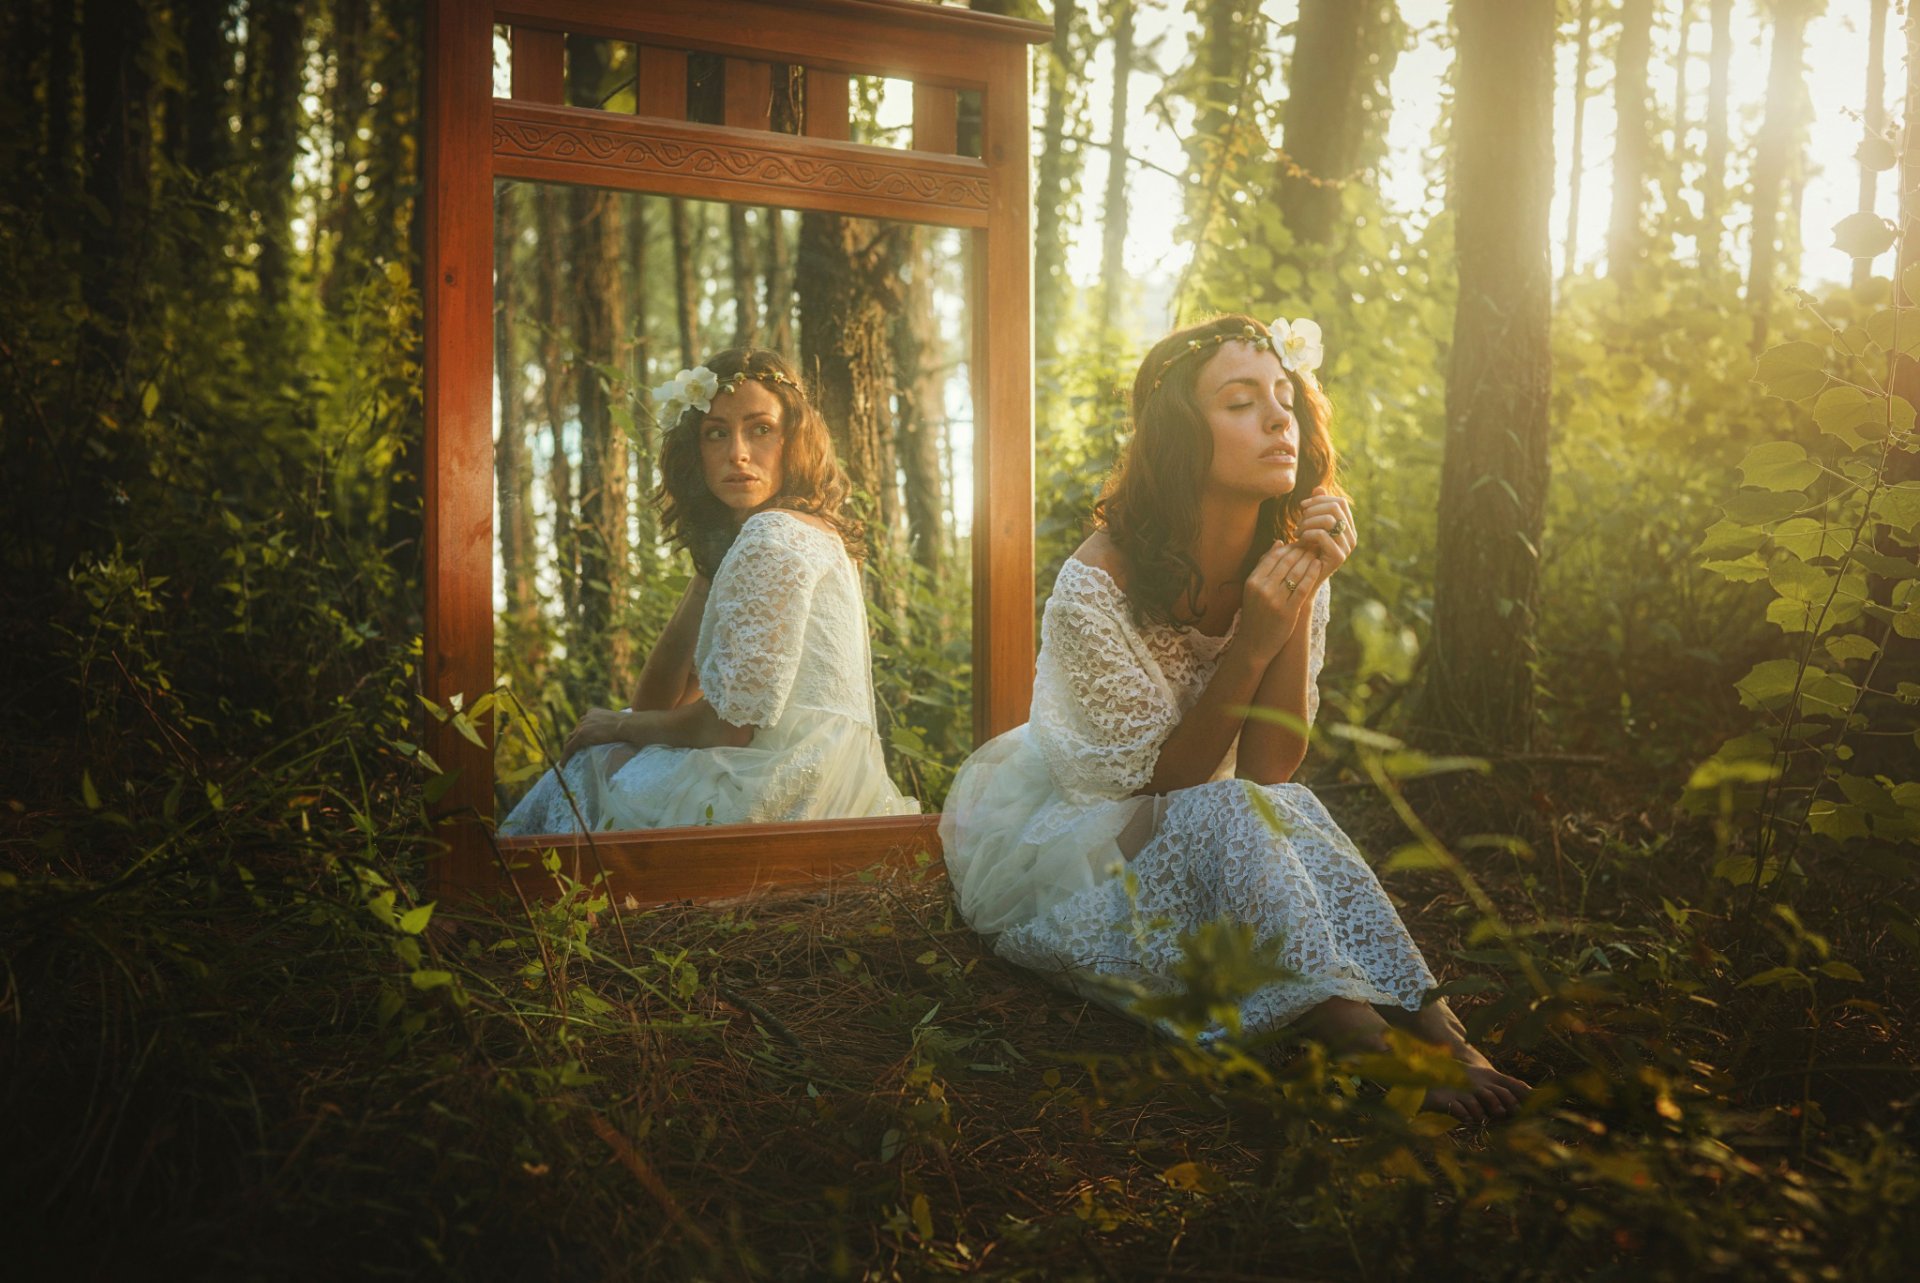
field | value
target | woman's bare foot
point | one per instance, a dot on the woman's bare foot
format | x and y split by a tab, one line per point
1346	1026
1499	1095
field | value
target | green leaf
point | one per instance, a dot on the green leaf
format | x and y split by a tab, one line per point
1726	538
467	730
1792	371
1796	580
1850	646
431	979
1770	682
1806	538
88	793
922	1218
1745	570
1879	563
1899	505
415	920
1863	235
1758	507
149	400
1715	772
1853	415
1895	330
1778	465
1417	855
1775	976
1841	971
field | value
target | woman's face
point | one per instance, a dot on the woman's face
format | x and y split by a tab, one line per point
1248	400
742	441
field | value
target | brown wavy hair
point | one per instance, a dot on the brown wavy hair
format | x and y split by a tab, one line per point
1150	507
812	479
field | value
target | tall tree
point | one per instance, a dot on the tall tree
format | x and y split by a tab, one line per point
1324	121
550	288
1054	181
1113	217
1576	157
347	103
1774	156
512	461
1493	481
1632	139
1874	117
282	32
919	410
1713	176
686	298
743	257
62	37
118	111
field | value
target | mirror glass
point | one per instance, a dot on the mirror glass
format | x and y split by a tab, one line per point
600	296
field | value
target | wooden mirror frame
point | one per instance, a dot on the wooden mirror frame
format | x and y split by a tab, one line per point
473	138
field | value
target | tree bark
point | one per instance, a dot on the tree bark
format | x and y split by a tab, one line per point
119	165
1320	141
848	283
779	307
1779	133
686	301
1582	61
278	86
549	286
1632	141
920	417
348	102
1493	483
743	257
1713	178
1054	181
512	461
1874	117
1113	221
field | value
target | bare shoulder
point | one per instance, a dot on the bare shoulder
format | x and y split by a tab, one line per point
1099	552
793	514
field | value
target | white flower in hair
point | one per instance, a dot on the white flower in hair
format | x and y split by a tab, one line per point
1298	344
688	390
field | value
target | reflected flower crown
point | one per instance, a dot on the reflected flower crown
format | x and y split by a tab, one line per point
1296	343
695	389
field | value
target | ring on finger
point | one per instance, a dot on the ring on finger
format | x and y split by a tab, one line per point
1293	585
1339	528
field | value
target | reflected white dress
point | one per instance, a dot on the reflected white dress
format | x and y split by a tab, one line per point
783	648
1042	821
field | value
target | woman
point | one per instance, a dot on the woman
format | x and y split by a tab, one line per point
1202	591
757	701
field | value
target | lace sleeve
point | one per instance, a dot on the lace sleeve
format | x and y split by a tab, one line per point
1101	708
756	622
1317	646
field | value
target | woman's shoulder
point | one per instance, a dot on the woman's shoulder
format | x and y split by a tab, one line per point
1099	552
786	526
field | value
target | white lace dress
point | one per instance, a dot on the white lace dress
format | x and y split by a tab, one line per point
1042	821
782	648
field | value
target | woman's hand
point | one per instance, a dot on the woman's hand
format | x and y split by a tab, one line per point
1277	593
1326	527
599	726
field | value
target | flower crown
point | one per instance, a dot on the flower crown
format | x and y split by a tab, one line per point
1296	343
695	389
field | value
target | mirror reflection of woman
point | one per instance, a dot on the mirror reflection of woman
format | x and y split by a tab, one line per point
1203	591
756	703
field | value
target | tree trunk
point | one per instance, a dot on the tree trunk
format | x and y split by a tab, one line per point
348	104
779	308
1582	60
686	300
1779	133
1493	481
644	439
1054	181
1113	222
393	236
512	461
1320	142
743	257
118	146
921	414
1874	117
278	86
1632	142
549	286
1713	178
62	37
848	282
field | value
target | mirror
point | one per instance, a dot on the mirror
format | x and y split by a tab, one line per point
600	295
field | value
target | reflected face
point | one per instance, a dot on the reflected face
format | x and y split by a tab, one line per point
742	442
1248	400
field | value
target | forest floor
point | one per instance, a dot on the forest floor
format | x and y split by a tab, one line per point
248	1074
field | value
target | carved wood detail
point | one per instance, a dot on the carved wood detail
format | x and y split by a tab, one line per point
634	145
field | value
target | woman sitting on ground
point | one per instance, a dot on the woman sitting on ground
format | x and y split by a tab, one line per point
757	702
1203	591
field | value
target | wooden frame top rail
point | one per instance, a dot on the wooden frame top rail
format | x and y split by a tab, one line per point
936	45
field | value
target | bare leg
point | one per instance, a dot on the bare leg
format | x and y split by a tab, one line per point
1348	1026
